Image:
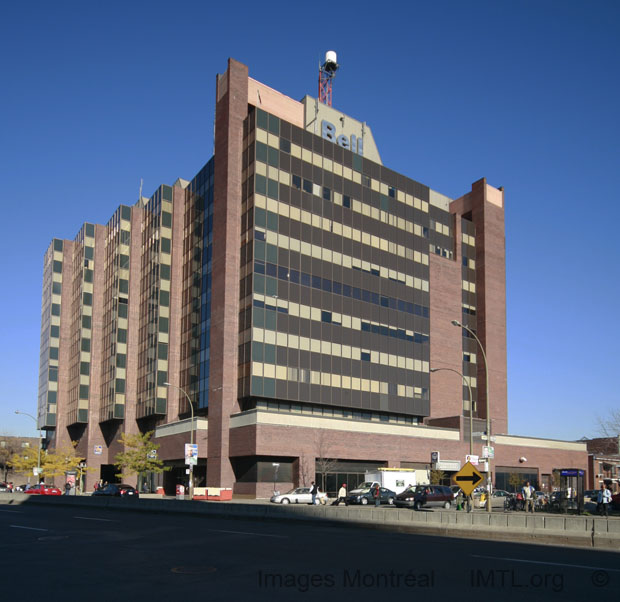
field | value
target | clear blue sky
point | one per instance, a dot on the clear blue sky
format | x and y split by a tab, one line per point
97	95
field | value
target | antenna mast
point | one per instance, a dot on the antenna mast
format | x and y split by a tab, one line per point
327	72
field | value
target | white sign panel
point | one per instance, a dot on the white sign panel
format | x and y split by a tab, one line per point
488	451
449	465
472	459
191	453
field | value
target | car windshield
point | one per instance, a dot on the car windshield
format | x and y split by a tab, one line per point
365	485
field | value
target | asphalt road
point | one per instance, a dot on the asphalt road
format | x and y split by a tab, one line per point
83	554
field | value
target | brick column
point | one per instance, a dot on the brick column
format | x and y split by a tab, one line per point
231	111
486	205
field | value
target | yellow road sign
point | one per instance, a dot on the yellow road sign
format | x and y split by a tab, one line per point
468	478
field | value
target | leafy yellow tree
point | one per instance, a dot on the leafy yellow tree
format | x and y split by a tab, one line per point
437	477
25	460
6	453
54	463
515	481
61	460
139	457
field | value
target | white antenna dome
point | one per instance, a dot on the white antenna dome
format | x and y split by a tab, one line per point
330	57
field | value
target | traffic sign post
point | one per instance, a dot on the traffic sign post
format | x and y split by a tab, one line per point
467	478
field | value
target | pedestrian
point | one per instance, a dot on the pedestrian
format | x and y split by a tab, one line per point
313	491
604	499
342	495
376	494
528	497
67	488
459	500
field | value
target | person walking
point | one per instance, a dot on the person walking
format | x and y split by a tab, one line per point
342	495
603	500
376	494
459	500
528	497
313	491
67	488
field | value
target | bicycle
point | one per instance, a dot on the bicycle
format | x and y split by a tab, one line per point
510	504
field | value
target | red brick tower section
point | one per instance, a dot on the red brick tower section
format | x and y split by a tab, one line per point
446	345
230	112
484	205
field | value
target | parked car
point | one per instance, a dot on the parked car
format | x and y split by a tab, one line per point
299	495
365	496
4	488
615	501
43	489
23	487
498	499
117	490
590	495
455	490
425	496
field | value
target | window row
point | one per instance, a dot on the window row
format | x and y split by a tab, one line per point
339	319
302	216
261	286
327	348
337	381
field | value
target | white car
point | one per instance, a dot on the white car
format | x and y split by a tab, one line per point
299	495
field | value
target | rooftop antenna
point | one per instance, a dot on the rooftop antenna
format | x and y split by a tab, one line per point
140	197
327	72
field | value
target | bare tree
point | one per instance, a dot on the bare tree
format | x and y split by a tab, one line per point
609	426
324	462
304	470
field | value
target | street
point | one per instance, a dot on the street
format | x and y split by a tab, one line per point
80	553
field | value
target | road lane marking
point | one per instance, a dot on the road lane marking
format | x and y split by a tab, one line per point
107	520
30	528
248	533
11	511
574	566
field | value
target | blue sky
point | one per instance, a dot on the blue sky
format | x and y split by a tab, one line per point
97	96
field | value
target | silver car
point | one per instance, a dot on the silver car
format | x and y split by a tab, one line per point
299	495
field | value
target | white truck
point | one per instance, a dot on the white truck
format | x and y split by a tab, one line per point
395	479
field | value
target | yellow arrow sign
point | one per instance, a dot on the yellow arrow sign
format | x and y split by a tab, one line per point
468	478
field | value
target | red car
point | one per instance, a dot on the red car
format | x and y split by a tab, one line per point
43	489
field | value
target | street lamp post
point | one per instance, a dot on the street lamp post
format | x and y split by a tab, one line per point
40	438
471	404
191	430
486	369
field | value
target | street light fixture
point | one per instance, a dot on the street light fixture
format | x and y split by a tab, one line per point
471	405
40	438
486	369
191	430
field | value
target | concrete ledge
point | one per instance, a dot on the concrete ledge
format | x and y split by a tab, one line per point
599	533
